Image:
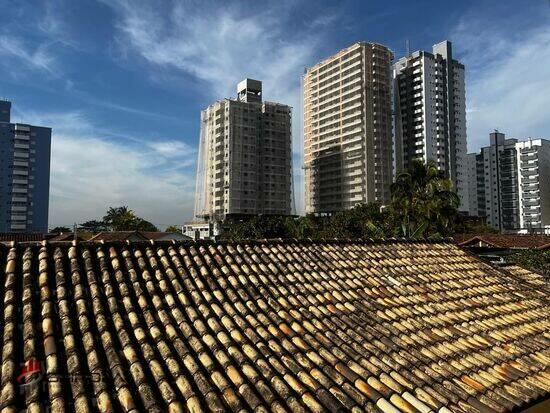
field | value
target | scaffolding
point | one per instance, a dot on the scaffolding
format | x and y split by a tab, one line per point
202	192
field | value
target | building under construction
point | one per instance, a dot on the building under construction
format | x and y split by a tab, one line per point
244	164
348	129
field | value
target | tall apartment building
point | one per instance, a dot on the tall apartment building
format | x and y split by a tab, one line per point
24	174
348	147
430	113
509	184
244	164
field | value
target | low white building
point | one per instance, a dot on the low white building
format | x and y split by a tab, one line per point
202	229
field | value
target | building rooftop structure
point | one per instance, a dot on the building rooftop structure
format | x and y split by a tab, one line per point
107	236
24	236
504	241
390	326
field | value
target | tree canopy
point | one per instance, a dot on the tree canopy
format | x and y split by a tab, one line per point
117	219
174	229
423	204
424	201
59	230
93	226
534	260
124	219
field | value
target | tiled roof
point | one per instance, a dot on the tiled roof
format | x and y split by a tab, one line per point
118	236
24	236
275	325
504	240
154	235
66	236
529	277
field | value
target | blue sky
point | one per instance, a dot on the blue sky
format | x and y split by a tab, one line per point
122	82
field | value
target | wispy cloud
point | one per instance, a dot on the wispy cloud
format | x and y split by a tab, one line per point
218	45
89	174
53	24
172	149
507	74
221	45
109	104
14	51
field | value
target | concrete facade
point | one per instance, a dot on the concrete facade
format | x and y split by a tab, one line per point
430	113
509	184
348	152
244	165
24	174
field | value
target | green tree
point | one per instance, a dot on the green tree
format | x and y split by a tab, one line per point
124	219
533	260
59	230
424	202
309	226
173	229
361	221
93	226
261	226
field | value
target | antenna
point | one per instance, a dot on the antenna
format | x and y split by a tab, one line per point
408	47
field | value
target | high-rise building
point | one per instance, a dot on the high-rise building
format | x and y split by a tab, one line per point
508	183
430	113
24	174
348	152
244	164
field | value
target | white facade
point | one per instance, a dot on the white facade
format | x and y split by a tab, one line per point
202	230
533	183
348	129
509	183
430	113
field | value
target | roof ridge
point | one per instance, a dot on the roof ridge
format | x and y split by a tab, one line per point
331	241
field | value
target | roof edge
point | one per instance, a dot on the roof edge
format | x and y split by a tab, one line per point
97	242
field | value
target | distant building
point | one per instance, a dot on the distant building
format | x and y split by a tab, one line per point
509	184
244	165
348	146
203	229
430	113
24	174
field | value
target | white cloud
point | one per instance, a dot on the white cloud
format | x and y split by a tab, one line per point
507	77
172	149
35	58
88	174
222	45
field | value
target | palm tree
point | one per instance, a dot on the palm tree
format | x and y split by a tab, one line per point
124	219
424	201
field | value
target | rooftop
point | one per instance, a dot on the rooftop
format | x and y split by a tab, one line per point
24	236
512	241
387	326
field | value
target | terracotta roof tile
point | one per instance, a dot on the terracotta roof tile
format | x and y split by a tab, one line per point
387	326
24	236
513	241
